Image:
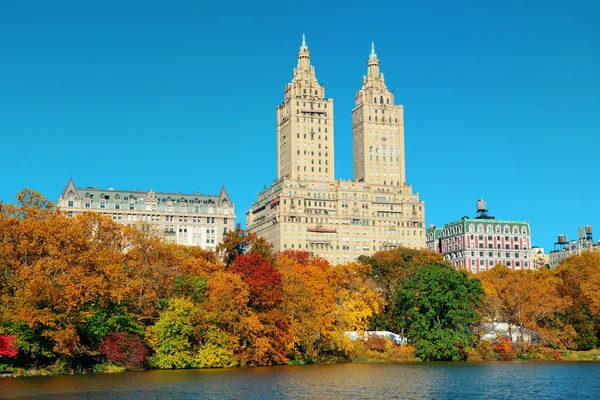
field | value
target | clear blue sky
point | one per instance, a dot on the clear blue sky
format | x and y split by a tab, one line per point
501	99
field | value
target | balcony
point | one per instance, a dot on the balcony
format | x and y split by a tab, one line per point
318	229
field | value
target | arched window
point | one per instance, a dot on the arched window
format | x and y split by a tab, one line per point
471	228
381	100
388	101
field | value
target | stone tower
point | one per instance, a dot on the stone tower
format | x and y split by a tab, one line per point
305	126
377	131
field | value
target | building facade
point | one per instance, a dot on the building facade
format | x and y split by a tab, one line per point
539	259
189	219
305	126
477	244
564	249
377	131
338	220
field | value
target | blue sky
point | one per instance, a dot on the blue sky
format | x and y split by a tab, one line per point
501	99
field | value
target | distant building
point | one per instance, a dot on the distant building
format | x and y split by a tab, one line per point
564	248
306	208
477	244
189	219
539	259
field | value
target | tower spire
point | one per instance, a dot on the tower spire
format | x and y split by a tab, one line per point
303	46
373	63
303	56
373	54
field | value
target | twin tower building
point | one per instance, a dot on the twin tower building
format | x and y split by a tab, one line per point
306	208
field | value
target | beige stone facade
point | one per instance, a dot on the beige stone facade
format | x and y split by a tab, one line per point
377	131
339	220
305	126
190	219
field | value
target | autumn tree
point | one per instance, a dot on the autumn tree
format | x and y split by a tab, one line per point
239	241
124	349
60	272
7	347
357	301
308	303
580	275
263	280
182	339
531	303
265	288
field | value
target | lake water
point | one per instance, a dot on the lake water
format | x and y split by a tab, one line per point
489	380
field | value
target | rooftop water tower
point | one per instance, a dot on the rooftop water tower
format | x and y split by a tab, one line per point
562	242
482	212
588	233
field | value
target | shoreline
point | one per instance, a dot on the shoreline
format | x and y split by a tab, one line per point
25	373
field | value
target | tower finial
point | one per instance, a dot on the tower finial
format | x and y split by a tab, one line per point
373	54
303	40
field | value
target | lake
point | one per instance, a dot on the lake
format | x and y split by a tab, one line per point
486	380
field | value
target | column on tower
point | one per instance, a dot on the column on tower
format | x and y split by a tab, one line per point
377	131
305	126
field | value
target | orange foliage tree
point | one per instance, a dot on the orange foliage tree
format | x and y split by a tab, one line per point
308	303
531	303
581	279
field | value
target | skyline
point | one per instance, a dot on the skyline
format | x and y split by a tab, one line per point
145	104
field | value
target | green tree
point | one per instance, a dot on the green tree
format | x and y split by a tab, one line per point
439	305
390	270
239	241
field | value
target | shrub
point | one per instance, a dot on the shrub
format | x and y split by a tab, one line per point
124	349
484	351
376	343
504	348
7	347
110	368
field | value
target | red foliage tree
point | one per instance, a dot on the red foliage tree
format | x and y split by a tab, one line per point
262	278
376	343
124	349
7	348
504	348
299	256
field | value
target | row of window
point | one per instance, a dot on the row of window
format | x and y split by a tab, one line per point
311	104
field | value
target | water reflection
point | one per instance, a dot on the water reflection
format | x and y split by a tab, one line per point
493	380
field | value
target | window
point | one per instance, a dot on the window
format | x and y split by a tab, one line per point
117	206
102	204
70	203
131	206
225	220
